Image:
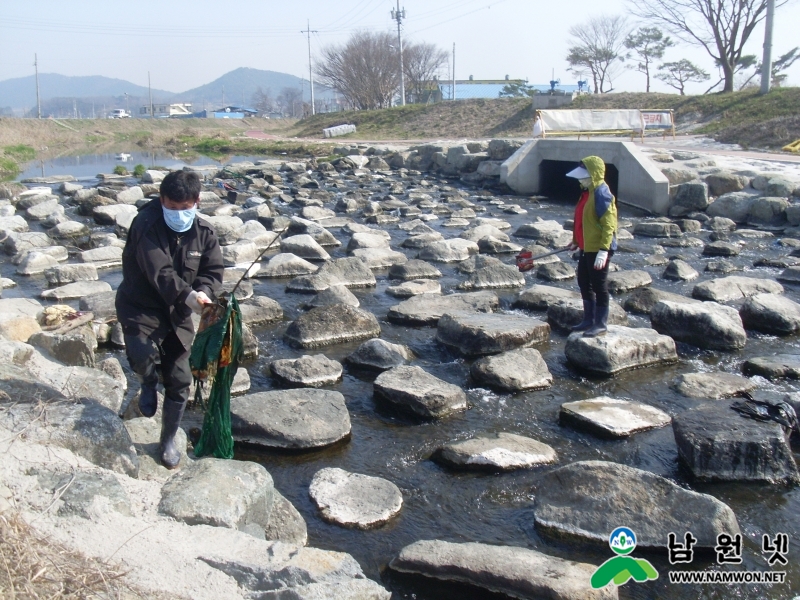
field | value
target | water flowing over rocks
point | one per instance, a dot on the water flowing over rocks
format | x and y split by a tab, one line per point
354	500
292	419
478	334
412	390
612	418
622	348
584	501
498	451
718	444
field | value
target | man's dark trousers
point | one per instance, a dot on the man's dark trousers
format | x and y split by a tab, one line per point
176	374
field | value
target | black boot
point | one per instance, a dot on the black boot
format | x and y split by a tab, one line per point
600	323
148	399
170	421
588	316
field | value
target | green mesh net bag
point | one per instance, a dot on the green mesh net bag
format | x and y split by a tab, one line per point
216	352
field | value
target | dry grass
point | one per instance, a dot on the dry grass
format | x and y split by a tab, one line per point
32	567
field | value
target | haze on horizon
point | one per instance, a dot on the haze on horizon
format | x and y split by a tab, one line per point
187	44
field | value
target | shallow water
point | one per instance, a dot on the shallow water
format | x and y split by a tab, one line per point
498	508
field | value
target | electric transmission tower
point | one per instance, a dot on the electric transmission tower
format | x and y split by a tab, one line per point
309	31
398	15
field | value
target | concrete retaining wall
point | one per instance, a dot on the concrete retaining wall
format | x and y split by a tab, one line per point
640	184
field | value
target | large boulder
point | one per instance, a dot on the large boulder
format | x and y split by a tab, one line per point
497	452
354	500
427	309
501	570
706	325
478	334
335	324
612	418
513	371
622	348
733	205
585	501
716	443
771	314
414	391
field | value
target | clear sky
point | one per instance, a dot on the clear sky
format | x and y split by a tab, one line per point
187	44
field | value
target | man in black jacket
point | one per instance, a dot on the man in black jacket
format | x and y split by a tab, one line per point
171	266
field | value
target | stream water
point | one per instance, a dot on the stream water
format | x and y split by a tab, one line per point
498	508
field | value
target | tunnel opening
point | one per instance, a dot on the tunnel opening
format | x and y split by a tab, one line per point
554	183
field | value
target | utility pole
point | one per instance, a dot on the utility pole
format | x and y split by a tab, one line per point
38	101
766	61
309	31
150	92
454	71
127	108
398	15
223	96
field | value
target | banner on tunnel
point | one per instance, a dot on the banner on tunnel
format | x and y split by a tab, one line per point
586	120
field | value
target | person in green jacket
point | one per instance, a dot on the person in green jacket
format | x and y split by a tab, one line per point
595	234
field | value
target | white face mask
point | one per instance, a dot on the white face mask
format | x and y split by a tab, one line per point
586	182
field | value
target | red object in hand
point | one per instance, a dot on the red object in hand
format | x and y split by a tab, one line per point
525	260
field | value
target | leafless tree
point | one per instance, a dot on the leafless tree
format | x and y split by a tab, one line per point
290	101
421	62
365	70
263	101
597	46
720	27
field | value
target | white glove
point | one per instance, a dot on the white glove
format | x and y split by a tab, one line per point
195	300
600	261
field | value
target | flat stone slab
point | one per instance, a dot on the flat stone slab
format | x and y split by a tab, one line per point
414	391
428	309
508	570
220	493
585	501
286	264
622	348
556	271
414	269
642	300
773	367
711	385
73	291
103	257
513	371
705	325
725	289
304	246
565	314
328	325
539	297
295	419
351	272
415	287
478	334
716	443
625	281
306	371
611	417
354	500
336	294
770	313
380	355
496	451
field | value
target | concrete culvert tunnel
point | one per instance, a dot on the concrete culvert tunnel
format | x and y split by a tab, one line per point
540	167
554	183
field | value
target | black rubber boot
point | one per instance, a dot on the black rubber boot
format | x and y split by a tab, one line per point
600	326
148	399
588	316
170	421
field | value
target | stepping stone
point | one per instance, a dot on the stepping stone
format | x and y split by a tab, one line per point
717	443
706	325
350	272
354	500
513	371
539	297
790	275
474	334
35	263
622	348
496	451
584	501
491	245
22	242
378	354
220	493
379	258
721	248
146	434
643	300
711	385
772	367
427	309
557	271
725	289
306	371
304	246
415	287
367	240
625	281
64	274
336	294
507	571
679	270
414	391
565	314
260	310
547	233
286	265
107	215
73	291
612	418
414	269
475	234
296	419
334	324
422	240
723	267
770	314
105	257
446	251
490	273
68	230
657	230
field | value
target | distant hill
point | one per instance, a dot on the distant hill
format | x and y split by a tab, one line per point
20	93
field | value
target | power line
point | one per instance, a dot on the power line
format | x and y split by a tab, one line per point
487	7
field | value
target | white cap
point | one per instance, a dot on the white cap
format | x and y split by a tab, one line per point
579	172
